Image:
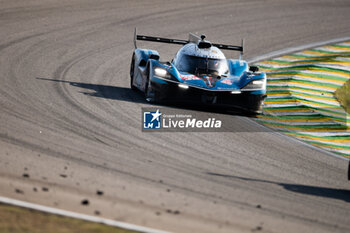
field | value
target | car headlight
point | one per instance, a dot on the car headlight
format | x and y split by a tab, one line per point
257	84
160	72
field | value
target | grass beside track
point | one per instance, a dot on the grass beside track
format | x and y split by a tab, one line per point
343	96
17	220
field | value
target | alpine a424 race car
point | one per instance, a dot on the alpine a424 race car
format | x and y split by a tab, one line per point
199	73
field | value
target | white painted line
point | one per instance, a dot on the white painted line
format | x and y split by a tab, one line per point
85	217
329	133
290	50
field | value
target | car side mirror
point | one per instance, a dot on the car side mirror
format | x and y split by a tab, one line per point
253	69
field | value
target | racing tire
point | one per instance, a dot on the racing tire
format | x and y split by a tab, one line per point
132	72
149	93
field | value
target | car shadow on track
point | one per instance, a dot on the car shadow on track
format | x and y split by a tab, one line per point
126	94
340	194
104	91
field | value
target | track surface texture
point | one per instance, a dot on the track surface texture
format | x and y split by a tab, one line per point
70	125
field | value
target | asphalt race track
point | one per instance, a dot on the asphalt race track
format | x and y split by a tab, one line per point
70	125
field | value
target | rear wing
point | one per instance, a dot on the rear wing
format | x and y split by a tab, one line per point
192	39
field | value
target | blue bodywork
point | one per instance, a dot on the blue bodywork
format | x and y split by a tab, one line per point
232	89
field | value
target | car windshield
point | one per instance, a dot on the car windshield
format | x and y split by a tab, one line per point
202	65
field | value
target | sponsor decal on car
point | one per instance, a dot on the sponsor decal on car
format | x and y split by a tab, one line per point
227	81
189	77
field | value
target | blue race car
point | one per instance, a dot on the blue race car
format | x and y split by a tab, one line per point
199	74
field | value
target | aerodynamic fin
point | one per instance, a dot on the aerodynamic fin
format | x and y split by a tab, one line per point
192	39
135	33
